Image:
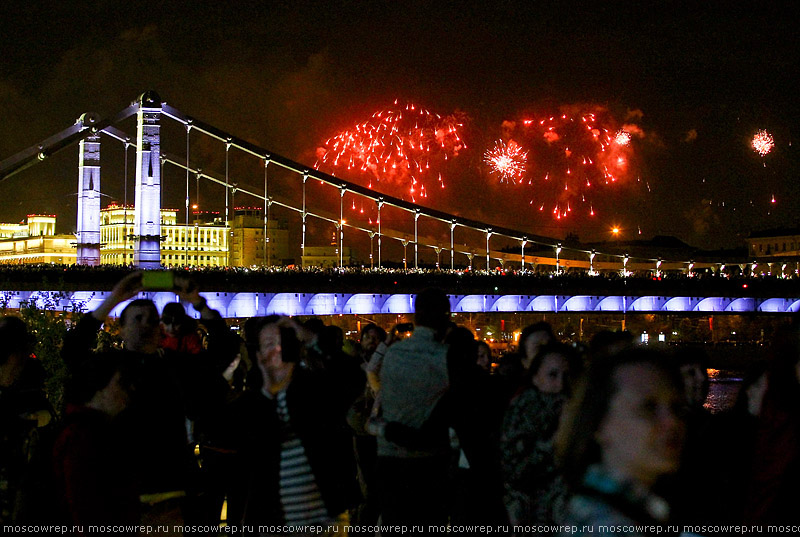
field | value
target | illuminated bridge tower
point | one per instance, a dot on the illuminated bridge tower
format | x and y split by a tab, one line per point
147	223
88	234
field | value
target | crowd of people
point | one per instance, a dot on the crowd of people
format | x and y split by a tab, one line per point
291	424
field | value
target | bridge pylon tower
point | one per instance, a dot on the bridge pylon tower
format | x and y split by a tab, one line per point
147	222
88	225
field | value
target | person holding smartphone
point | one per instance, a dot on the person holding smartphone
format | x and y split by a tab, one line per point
171	391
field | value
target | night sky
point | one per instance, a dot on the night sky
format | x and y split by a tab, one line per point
697	81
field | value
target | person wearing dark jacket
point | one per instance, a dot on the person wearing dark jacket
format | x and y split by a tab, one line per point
296	455
24	413
171	392
94	483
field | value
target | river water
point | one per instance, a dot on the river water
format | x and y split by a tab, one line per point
723	389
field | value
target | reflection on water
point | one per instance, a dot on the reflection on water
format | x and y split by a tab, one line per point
723	390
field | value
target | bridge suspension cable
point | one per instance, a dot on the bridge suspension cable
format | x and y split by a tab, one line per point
91	123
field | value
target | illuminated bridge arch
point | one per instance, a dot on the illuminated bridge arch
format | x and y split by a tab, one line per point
247	304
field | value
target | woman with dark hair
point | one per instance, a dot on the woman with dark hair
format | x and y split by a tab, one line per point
775	471
484	358
296	451
622	431
24	413
534	491
94	480
532	338
179	330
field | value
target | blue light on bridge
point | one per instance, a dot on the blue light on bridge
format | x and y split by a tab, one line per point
240	305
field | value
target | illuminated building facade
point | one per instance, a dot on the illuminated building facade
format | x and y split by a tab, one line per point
202	244
328	256
35	242
775	243
248	247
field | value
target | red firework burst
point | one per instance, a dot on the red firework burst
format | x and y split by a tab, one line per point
574	155
399	145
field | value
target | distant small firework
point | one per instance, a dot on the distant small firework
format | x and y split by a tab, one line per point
399	145
507	160
763	142
622	138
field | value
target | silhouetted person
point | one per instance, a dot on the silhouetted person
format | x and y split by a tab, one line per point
93	477
296	458
172	391
414	378
23	409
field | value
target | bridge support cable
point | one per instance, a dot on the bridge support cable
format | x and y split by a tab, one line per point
380	235
90	124
267	206
488	236
150	102
340	225
523	242
186	231
416	239
303	241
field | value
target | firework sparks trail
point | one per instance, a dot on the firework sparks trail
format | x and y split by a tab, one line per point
399	145
508	160
763	143
574	155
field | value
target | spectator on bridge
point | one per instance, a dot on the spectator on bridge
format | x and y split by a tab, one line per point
535	492
172	391
24	412
94	480
296	452
414	378
622	431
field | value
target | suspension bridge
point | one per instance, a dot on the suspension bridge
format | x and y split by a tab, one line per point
307	194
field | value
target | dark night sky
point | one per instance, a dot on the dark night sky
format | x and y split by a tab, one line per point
287	75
